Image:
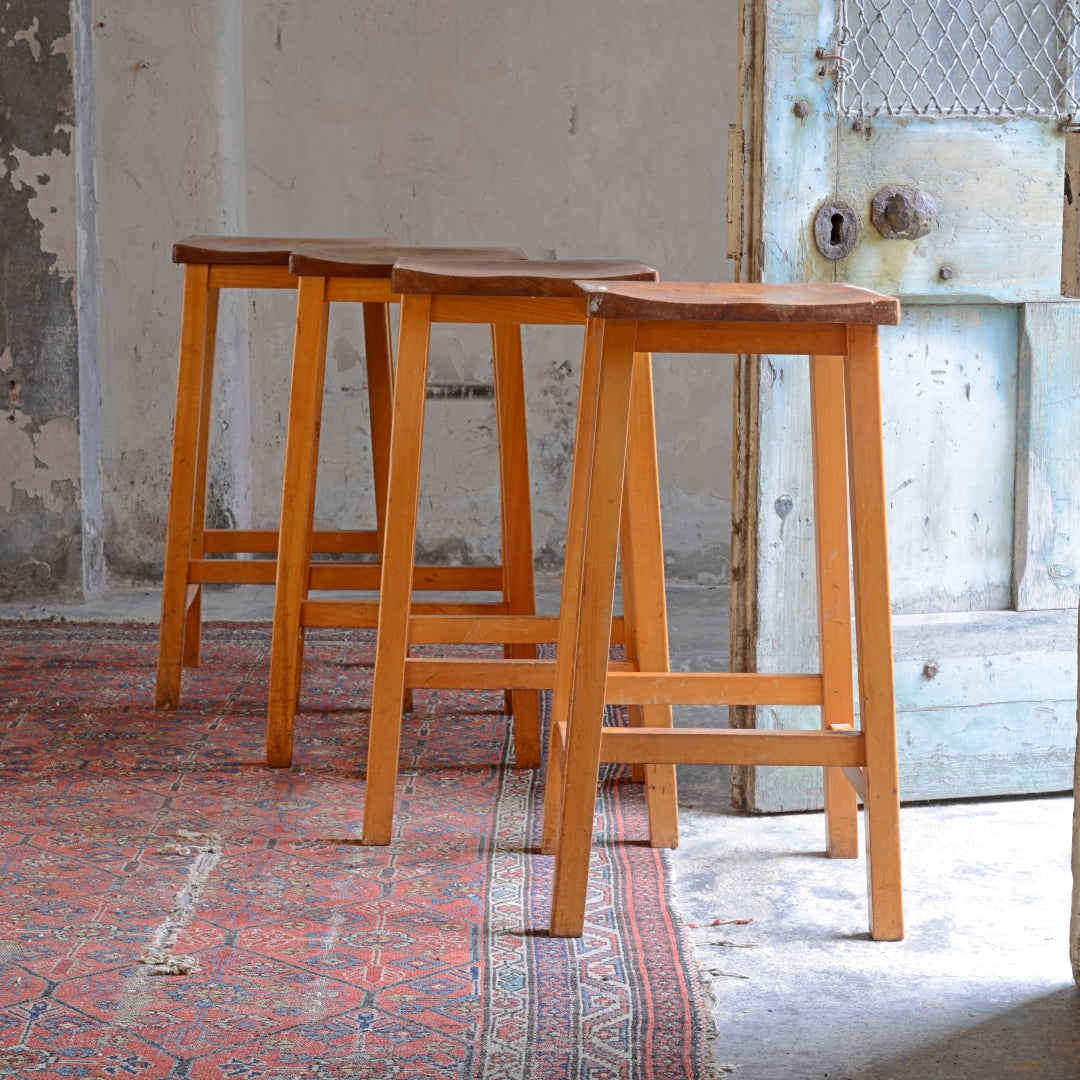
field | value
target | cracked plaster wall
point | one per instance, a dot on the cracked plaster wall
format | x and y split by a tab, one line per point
567	130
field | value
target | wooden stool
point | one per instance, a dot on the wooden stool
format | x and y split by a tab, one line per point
326	273
213	263
507	295
837	326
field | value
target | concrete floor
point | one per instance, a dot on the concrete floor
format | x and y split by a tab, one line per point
981	986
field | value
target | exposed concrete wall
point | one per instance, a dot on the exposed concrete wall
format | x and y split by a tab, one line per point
565	129
40	521
169	135
569	130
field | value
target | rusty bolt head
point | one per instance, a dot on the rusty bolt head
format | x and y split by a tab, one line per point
930	669
902	212
801	109
945	273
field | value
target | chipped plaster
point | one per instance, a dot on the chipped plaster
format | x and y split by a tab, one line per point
37	462
40	470
49	180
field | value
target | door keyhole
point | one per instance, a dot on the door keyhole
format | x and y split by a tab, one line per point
836	229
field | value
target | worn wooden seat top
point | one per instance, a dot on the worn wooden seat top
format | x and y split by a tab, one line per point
739	302
366	260
254	250
537	277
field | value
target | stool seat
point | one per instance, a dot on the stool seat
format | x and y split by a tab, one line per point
377	260
740	302
254	250
542	277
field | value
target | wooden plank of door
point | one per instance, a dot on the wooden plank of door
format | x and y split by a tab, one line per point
1047	534
1074	927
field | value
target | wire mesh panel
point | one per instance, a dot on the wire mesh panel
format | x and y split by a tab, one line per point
958	57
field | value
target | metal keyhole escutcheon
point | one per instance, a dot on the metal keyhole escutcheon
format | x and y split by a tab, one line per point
836	228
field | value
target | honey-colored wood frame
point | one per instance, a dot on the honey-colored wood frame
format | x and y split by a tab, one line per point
849	493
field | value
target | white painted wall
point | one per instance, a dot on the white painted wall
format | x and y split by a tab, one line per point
567	129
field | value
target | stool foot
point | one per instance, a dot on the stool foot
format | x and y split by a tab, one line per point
193	629
661	799
841	816
167	695
380	780
525	706
883	871
279	746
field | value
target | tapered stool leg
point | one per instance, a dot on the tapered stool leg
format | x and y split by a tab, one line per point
645	602
592	633
319	376
192	640
881	798
197	547
517	539
297	505
380	380
643	590
635	713
828	432
395	588
186	437
571	581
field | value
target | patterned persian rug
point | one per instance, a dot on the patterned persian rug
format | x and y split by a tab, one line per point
169	907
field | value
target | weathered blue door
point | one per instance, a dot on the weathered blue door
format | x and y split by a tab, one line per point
917	147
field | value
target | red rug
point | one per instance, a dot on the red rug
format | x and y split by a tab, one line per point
172	908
